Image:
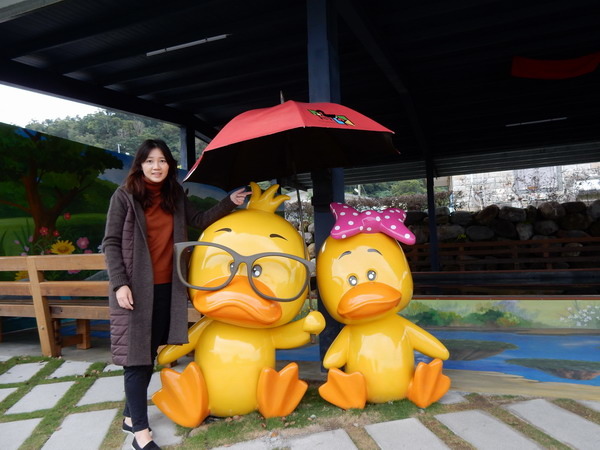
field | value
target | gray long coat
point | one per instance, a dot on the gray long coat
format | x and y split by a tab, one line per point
129	263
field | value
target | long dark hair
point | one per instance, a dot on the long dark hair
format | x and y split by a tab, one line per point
135	185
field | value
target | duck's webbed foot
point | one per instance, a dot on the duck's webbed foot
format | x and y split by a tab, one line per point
279	393
429	384
183	397
348	391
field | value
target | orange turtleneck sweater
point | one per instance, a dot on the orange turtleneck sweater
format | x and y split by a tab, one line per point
159	228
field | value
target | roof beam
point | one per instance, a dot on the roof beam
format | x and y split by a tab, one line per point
209	66
26	77
250	32
95	27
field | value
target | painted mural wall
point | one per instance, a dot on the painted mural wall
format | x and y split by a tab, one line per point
54	195
545	341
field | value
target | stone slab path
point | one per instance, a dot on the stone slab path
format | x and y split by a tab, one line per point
88	428
562	425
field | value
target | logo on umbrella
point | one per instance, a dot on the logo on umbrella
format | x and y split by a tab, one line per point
342	120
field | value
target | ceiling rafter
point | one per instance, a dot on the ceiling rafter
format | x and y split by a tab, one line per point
95	26
167	38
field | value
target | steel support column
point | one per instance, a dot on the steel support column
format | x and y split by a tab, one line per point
433	239
324	86
187	145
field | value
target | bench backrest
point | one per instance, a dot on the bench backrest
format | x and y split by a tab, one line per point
39	289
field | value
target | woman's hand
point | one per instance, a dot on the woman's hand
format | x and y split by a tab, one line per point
124	297
239	196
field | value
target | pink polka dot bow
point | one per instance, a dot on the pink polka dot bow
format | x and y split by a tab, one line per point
349	222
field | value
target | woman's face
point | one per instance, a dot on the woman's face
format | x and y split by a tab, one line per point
155	167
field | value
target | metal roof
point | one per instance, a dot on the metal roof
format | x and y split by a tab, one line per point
436	72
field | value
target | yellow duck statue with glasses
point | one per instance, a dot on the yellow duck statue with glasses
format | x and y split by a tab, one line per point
364	281
249	276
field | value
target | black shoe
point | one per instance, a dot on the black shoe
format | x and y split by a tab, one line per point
128	429
149	446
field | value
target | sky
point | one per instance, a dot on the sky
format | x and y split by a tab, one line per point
19	107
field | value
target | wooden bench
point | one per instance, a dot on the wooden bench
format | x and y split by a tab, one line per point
540	269
533	254
51	301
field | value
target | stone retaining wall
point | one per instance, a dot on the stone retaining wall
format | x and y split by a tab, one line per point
493	223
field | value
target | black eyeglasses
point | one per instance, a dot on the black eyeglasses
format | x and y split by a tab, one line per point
265	271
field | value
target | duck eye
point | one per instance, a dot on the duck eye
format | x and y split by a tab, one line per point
371	275
231	266
352	280
256	270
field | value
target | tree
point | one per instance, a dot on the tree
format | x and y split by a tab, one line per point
51	171
388	189
408	187
114	131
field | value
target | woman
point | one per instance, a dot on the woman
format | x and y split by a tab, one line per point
147	215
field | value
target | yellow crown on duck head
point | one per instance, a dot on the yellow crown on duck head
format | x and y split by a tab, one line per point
265	201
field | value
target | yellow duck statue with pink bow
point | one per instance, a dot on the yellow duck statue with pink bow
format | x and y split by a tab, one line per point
364	281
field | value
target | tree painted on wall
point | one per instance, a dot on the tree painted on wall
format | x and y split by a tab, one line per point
49	171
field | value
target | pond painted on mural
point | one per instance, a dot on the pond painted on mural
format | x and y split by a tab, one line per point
487	351
571	347
542	348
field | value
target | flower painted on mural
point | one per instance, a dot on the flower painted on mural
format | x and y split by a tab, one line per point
44	231
21	275
587	316
83	243
62	248
67	216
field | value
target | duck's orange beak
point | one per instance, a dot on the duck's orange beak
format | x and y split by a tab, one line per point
368	300
238	303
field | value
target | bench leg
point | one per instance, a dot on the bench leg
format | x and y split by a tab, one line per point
56	325
83	330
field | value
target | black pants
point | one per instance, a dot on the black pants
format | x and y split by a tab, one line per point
137	378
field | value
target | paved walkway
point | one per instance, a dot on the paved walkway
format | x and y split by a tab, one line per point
88	429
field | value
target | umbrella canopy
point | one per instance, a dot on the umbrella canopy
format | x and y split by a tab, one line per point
288	139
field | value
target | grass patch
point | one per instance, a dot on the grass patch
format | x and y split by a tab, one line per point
313	415
579	409
51	418
494	407
441	431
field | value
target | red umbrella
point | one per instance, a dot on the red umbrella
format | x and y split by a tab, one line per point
290	138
